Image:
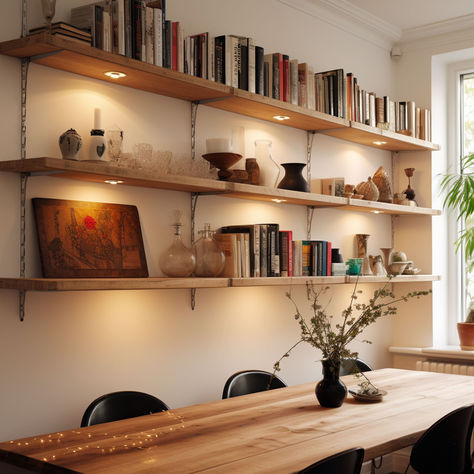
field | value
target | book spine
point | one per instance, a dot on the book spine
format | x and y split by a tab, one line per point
203	53
243	65
251	68
328	258
268	64
234	54
277	72
211	63
168	44
219	56
149	32
157	37
180	41
137	29
256	251
228	64
259	71
286	77
174	42
306	264
263	250
121	27
294	81
284	253
106	31
411	112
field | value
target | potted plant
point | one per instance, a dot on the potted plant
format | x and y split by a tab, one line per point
459	188
333	339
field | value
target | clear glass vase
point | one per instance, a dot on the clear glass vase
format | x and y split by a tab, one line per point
210	258
269	169
177	260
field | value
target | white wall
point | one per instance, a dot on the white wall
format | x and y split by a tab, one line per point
73	347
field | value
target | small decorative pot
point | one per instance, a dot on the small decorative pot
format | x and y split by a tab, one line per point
331	391
70	143
382	181
368	189
293	179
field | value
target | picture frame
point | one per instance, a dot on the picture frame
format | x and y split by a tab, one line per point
80	239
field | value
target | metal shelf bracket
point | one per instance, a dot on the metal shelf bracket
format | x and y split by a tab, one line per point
194	109
194	200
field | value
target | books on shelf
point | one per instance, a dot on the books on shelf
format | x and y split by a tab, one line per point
139	29
312	258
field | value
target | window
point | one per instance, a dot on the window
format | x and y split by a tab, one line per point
467	147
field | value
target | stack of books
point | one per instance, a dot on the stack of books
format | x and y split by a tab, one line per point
64	30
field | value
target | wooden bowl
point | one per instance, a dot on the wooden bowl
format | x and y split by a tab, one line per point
222	161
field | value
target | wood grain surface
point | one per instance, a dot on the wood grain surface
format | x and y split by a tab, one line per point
279	431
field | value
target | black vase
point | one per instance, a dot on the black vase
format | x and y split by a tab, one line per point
293	178
331	391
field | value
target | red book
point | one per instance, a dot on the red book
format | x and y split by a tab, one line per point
174	64
329	259
286	253
349	85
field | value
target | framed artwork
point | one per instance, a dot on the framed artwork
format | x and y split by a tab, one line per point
80	239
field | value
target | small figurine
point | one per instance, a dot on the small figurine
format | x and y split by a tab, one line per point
70	143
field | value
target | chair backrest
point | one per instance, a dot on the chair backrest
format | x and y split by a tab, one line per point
444	447
345	462
350	366
120	405
250	381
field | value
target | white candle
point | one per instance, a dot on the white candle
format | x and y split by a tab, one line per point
218	145
97	119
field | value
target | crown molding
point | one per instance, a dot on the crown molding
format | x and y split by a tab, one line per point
347	17
439	28
440	42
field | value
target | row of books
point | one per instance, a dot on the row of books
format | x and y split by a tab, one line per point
263	250
139	29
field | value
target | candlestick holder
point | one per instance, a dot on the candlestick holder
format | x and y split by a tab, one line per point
410	193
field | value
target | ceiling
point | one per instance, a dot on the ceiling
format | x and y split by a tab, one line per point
412	14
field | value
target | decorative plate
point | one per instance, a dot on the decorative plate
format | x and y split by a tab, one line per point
363	397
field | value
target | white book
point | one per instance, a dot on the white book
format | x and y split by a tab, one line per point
372	114
158	36
246	256
234	53
204	56
187	56
256	250
143	23
211	59
391	123
311	90
121	26
107	31
149	32
251	64
239	255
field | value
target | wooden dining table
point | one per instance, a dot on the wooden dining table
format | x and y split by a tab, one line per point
275	431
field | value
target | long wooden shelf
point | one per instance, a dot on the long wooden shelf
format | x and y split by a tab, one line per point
91	284
85	60
102	171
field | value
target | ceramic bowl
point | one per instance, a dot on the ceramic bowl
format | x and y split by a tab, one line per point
397	268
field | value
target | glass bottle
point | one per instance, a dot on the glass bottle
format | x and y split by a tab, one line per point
269	169
178	260
210	258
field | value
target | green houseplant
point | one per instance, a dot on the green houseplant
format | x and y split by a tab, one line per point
333	338
459	188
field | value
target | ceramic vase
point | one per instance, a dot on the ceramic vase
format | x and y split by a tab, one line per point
387	252
362	253
294	179
269	169
70	143
97	145
331	391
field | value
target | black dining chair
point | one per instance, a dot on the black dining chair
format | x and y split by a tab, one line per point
445	446
345	462
351	366
120	405
251	381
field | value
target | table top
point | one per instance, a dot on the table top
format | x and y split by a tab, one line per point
281	430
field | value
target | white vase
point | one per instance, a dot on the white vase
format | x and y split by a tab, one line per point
269	169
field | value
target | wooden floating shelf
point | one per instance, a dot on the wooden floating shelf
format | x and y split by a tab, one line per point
85	60
91	284
102	171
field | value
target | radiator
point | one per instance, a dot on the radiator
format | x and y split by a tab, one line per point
444	367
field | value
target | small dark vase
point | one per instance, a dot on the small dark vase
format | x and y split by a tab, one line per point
330	391
293	178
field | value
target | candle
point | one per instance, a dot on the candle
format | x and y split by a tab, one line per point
218	145
97	119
